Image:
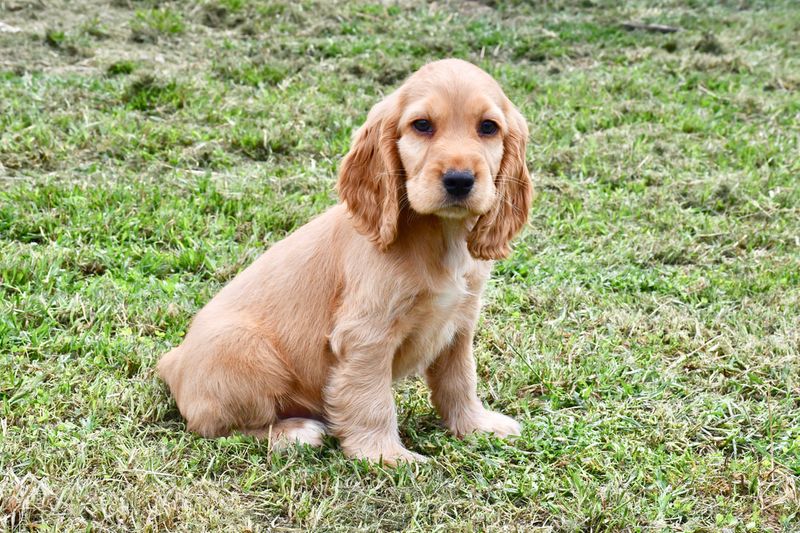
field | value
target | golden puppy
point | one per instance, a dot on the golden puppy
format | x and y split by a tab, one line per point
385	285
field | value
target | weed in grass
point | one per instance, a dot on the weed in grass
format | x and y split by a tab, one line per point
229	14
709	44
67	43
148	93
55	38
255	71
96	29
121	68
150	25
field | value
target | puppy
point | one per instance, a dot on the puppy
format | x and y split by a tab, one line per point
384	285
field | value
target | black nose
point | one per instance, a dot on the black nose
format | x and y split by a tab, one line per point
458	183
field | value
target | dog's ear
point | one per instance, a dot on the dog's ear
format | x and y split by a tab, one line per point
490	237
371	178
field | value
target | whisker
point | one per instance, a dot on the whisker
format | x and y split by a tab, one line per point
512	178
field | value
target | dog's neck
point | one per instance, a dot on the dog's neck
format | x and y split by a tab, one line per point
438	244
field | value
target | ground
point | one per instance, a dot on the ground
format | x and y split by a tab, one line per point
645	331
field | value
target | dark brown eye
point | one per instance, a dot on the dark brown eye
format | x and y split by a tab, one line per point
423	126
488	127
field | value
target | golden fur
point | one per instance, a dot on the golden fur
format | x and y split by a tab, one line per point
387	284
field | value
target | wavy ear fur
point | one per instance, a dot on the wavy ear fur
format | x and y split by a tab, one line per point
371	176
490	237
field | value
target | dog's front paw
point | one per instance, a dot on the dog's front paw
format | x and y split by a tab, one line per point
402	455
388	455
487	422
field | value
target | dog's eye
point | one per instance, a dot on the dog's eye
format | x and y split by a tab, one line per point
488	127
423	126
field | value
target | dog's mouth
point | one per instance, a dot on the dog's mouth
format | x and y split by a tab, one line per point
428	195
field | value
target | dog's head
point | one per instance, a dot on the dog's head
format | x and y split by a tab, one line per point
451	144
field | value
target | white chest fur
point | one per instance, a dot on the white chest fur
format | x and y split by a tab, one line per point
439	314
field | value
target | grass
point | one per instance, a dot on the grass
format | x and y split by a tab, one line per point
646	330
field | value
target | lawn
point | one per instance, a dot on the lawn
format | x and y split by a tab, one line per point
645	331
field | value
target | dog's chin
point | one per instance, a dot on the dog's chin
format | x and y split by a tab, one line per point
453	212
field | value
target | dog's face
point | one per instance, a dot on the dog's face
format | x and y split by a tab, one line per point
448	143
451	142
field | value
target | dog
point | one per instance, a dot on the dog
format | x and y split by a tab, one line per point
386	284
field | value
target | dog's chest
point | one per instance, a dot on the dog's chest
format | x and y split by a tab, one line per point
437	316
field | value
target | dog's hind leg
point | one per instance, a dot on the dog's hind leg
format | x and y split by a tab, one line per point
231	382
288	431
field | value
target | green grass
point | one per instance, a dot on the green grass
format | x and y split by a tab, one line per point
646	330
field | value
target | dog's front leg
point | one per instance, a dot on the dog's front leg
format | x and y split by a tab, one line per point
360	404
453	382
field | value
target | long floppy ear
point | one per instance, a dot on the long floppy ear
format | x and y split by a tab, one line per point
371	176
490	237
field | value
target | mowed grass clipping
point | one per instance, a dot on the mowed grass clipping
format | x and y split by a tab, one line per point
645	331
